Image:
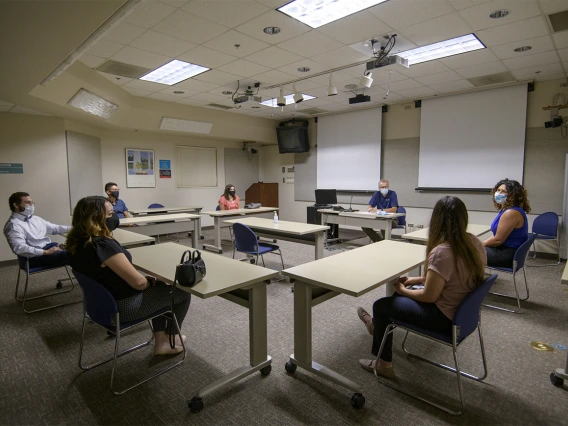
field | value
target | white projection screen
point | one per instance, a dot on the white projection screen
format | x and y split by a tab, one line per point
349	150
473	140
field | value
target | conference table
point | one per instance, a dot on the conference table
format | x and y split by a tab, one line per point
422	234
353	273
219	215
165	224
131	239
166	209
286	231
360	219
237	282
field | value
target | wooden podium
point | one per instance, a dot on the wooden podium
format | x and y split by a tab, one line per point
263	193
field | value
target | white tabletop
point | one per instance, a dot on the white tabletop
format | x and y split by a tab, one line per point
294	228
159	218
223	274
361	270
165	209
240	212
422	234
362	214
128	238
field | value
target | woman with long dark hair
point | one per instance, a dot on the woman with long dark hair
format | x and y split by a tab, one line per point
229	200
455	267
93	252
510	227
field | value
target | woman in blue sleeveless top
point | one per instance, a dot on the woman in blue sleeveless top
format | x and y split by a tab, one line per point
510	227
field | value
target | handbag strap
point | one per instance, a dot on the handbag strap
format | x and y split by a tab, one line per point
172	335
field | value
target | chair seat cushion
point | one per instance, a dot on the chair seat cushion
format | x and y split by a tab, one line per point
545	237
262	248
124	325
444	337
498	268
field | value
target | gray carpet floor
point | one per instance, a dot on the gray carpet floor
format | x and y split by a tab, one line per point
41	383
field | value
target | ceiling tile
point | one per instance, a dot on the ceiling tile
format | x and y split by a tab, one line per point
171	89
539	45
196	85
226	43
452	86
563	54
217	77
357	27
553	76
338	77
18	109
124	33
91	61
116	79
528	73
163	97
483	69
289	27
439	78
402	13
560	39
174	3
145	85
206	57
382	76
476	57
153	41
392	98
208	97
142	58
553	6
464	4
399	86
244	68
192	102
149	13
104	49
187	26
229	13
478	16
310	44
437	29
418	92
544	58
136	92
273	77
425	68
340	57
306	86
515	31
315	67
273	57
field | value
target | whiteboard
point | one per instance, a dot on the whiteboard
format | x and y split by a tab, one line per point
473	140
349	150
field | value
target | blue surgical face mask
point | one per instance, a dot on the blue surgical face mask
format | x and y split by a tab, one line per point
500	198
384	191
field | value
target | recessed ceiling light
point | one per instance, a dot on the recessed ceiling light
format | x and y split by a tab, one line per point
523	48
93	104
271	30
499	14
178	92
304	69
442	49
289	100
227	92
321	12
173	72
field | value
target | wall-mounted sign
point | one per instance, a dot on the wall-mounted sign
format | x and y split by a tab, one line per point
165	169
12	168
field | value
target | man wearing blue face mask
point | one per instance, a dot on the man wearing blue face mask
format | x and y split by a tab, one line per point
383	200
27	233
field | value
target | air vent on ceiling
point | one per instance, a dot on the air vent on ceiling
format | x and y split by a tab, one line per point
559	21
220	106
122	69
487	80
312	111
189	126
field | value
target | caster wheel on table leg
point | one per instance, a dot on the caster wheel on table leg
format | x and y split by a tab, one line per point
202	237
267	281
252	261
195	405
290	367
357	400
59	285
556	381
266	370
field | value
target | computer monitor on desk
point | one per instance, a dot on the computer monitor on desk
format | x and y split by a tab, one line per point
326	197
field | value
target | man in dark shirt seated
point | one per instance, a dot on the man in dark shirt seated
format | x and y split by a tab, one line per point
382	200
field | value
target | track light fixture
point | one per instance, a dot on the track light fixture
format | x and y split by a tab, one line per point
366	80
331	90
297	96
281	101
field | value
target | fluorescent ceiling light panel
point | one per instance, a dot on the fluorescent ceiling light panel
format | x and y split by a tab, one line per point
93	104
443	49
289	100
188	126
316	13
174	72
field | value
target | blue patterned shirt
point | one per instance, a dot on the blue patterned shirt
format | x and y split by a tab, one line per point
119	208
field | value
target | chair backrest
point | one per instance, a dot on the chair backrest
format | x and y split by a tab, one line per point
99	303
22	262
467	314
523	251
155	206
546	224
401	219
245	238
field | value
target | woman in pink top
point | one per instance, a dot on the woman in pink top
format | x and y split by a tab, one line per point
229	200
455	265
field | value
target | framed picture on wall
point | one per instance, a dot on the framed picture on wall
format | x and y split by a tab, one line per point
140	172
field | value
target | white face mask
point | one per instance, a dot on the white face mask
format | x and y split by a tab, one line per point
28	210
384	191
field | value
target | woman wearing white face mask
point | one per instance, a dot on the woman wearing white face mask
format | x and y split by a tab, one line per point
510	227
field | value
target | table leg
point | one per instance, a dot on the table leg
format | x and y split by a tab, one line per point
388	227
319	244
195	234
217	230
197	230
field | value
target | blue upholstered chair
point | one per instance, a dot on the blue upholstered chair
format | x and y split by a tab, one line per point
518	264
545	227
401	219
246	241
466	320
24	266
100	307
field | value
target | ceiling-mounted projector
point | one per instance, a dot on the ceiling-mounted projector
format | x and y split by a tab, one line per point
389	60
359	98
247	98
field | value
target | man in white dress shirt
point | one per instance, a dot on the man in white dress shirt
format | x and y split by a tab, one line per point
27	234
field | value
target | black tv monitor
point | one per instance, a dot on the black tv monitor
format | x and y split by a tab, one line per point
292	139
325	197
